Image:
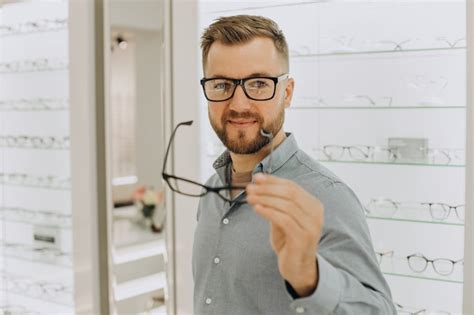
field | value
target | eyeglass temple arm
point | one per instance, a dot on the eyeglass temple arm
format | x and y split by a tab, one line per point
269	135
187	123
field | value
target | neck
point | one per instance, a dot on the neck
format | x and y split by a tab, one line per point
247	162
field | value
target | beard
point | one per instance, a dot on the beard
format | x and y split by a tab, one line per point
242	144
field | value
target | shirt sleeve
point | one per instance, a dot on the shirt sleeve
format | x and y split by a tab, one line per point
349	278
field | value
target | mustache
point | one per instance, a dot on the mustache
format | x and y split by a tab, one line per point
232	114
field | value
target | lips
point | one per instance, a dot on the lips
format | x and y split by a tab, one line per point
242	122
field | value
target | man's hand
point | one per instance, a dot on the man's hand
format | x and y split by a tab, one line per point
296	220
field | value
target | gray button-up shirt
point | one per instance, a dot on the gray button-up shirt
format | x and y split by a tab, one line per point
236	271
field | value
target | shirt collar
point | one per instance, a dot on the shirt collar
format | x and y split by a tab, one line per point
280	155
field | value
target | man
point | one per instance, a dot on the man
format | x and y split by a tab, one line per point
295	241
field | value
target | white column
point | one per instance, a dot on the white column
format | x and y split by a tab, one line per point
184	105
468	298
90	191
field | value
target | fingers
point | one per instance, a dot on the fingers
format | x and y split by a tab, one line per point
270	179
282	220
288	192
274	190
267	185
284	206
300	239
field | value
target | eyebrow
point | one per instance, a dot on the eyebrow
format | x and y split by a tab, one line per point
255	74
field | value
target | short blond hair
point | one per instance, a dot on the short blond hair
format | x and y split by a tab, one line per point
240	29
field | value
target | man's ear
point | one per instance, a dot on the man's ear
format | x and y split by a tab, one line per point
290	86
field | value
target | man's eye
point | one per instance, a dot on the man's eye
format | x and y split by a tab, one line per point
258	84
221	86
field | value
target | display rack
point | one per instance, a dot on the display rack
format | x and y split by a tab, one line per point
362	78
35	207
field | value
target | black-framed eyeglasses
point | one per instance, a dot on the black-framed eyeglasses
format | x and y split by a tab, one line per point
255	88
192	188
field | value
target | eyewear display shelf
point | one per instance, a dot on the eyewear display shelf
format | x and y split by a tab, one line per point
363	79
36	255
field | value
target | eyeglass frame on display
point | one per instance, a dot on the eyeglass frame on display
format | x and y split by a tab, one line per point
402	310
444	206
348	148
369	154
449	154
27	286
16	309
371	101
47	182
432	261
381	255
454	43
35	142
398	204
34	27
32	216
34	104
345	45
367	151
34	65
43	254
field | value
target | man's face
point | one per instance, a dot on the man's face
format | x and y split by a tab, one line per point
237	122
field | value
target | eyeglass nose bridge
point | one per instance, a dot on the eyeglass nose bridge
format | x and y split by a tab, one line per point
240	82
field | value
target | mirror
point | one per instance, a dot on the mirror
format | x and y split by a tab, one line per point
135	140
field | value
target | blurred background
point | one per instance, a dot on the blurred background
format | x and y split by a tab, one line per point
91	90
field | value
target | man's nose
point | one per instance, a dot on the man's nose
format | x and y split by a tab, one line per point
239	101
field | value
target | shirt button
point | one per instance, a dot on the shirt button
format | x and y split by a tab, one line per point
208	301
300	310
225	221
217	260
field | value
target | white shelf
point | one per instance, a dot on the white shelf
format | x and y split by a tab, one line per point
128	232
160	310
140	286
139	251
31	305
